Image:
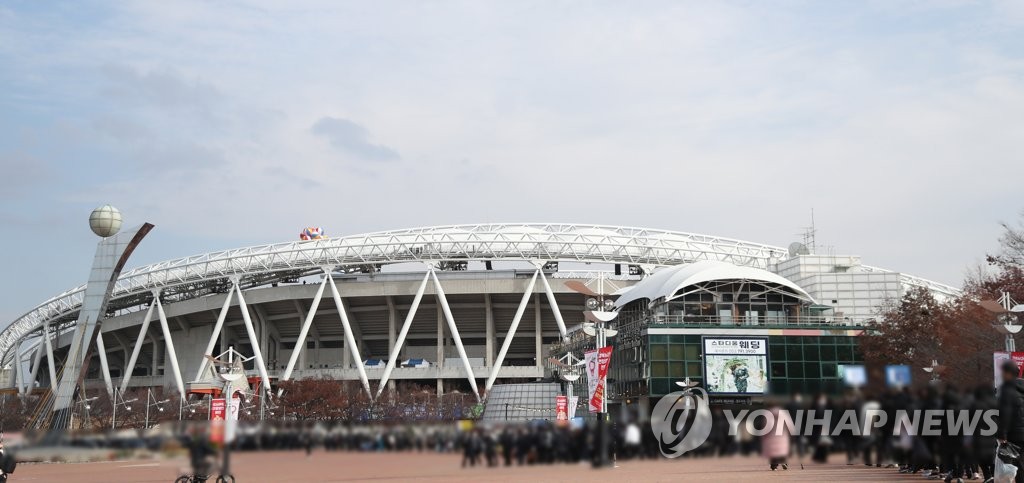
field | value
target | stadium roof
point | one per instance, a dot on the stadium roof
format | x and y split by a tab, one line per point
200	275
665	283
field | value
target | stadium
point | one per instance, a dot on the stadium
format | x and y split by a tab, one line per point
465	308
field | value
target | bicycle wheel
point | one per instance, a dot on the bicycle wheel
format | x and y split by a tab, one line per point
225	479
183	479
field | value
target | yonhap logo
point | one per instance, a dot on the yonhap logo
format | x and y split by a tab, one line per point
681	421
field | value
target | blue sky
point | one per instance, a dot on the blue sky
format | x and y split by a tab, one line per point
237	123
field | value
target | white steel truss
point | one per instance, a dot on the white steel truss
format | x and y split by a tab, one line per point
300	344
217	328
454	329
350	340
143	330
393	359
534	242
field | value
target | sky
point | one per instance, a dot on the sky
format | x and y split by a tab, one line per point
229	123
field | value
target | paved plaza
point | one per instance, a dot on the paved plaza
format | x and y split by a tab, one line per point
431	467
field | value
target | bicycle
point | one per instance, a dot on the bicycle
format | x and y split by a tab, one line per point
204	478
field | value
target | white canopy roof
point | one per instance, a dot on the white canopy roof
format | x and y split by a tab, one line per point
666	282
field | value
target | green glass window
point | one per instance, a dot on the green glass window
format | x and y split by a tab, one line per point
659	369
659	352
660	386
675	352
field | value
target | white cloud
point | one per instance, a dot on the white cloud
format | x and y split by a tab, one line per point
709	117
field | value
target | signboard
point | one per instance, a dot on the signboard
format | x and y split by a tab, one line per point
596	362
735	365
999	357
573	404
855	375
218	413
897	375
562	408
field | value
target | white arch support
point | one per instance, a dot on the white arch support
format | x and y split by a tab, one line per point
19	378
402	334
143	330
300	343
217	328
455	334
553	304
511	332
50	363
247	319
350	339
104	367
37	360
169	343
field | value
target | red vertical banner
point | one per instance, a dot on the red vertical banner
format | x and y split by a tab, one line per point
999	357
218	413
597	363
562	408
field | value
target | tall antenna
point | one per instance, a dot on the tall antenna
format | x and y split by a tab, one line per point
810	234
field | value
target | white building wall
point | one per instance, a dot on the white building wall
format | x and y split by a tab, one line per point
839	282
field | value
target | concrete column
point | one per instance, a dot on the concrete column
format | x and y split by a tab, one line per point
156	357
264	334
346	358
440	387
440	341
392	322
537	330
316	351
489	314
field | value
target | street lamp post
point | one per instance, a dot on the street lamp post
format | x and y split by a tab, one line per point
599	314
933	370
150	402
119	400
229	376
570	375
86	406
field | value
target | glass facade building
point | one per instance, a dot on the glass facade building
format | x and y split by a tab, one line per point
664	324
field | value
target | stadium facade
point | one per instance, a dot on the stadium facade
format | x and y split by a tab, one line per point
468	306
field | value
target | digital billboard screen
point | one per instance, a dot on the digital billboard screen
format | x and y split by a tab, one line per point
736	365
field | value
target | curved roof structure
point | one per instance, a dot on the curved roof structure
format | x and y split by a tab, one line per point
210	273
665	283
199	275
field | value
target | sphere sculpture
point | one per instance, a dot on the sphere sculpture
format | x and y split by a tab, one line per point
105	221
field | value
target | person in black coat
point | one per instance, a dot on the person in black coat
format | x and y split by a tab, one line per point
7	463
1011	411
983	448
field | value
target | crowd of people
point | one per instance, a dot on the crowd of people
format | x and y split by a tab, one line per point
945	454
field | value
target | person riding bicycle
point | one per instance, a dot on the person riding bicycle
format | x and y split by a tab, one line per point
199	451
